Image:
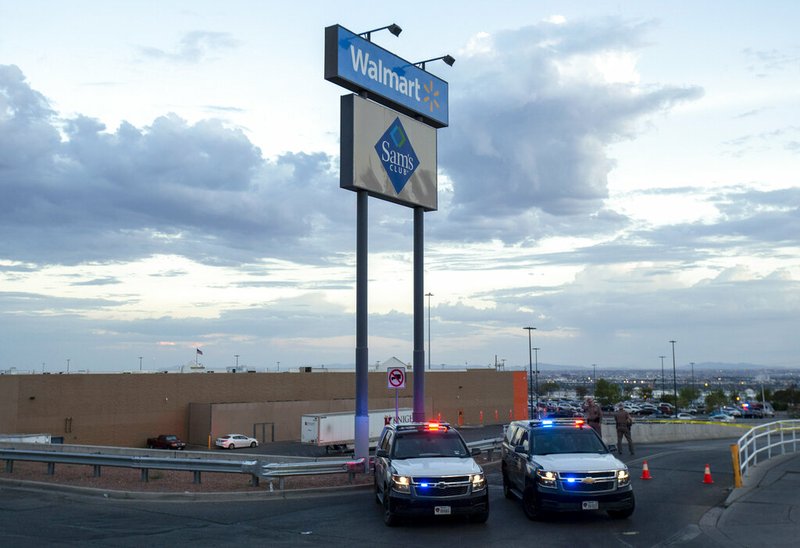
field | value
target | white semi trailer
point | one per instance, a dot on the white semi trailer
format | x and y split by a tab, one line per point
336	431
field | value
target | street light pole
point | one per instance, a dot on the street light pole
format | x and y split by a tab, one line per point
429	295
140	363
663	382
674	378
536	363
237	360
530	372
594	379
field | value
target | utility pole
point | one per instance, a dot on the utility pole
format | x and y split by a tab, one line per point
536	373
674	377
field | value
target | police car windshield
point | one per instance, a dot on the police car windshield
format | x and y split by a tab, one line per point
557	441
410	445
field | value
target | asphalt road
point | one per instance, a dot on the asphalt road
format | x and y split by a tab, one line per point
670	507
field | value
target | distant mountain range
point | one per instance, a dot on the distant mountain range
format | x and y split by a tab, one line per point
604	368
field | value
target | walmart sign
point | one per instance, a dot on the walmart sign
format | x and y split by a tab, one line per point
359	65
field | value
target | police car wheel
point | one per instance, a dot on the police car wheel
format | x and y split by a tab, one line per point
375	485
507	487
529	504
389	517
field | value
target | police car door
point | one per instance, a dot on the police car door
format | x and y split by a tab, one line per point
381	463
517	468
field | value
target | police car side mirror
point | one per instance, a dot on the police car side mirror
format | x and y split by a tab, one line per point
520	449
475	451
612	447
383	453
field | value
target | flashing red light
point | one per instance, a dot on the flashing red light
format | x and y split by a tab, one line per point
579	422
433	426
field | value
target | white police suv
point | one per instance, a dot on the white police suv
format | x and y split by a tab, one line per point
426	469
563	465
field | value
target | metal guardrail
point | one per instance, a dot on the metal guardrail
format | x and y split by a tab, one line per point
762	442
489	446
280	471
257	469
143	463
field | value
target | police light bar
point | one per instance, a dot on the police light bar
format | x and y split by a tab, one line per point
435	426
549	423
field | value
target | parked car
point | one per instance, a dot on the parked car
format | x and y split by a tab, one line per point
233	441
722	417
685	416
757	410
733	411
166	441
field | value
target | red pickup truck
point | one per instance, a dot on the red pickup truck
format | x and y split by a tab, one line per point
165	441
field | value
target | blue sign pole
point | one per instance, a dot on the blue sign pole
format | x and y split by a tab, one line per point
362	339
419	315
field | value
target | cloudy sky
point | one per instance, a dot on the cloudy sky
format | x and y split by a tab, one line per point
616	174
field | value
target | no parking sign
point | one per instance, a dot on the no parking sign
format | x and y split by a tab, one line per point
397	380
397	377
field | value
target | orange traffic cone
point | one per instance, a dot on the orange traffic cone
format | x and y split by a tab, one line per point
646	471
707	475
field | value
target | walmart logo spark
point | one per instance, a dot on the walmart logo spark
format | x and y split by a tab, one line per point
432	96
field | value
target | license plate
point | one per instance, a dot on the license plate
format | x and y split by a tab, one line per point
590	505
441	510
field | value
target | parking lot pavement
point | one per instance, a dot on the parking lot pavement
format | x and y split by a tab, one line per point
767	507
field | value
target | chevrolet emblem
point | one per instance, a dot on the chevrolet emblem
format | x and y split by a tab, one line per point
588	480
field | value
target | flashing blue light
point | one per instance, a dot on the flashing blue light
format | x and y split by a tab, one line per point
423	484
547	423
570	480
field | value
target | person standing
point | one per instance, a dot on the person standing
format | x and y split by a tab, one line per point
594	415
623	421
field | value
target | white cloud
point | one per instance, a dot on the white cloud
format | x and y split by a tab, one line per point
563	204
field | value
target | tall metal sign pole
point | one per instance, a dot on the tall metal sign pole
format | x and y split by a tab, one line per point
388	151
361	430
419	315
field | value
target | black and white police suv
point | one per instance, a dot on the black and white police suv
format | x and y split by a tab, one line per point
426	469
563	465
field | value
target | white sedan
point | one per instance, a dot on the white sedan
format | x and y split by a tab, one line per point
722	417
686	416
232	441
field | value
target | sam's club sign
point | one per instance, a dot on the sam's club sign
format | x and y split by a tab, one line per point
359	65
388	154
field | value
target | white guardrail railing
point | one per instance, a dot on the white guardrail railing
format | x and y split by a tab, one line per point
763	442
256	468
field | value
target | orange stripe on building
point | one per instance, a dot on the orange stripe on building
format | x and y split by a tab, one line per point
520	395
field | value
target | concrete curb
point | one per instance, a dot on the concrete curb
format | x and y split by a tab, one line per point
757	473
